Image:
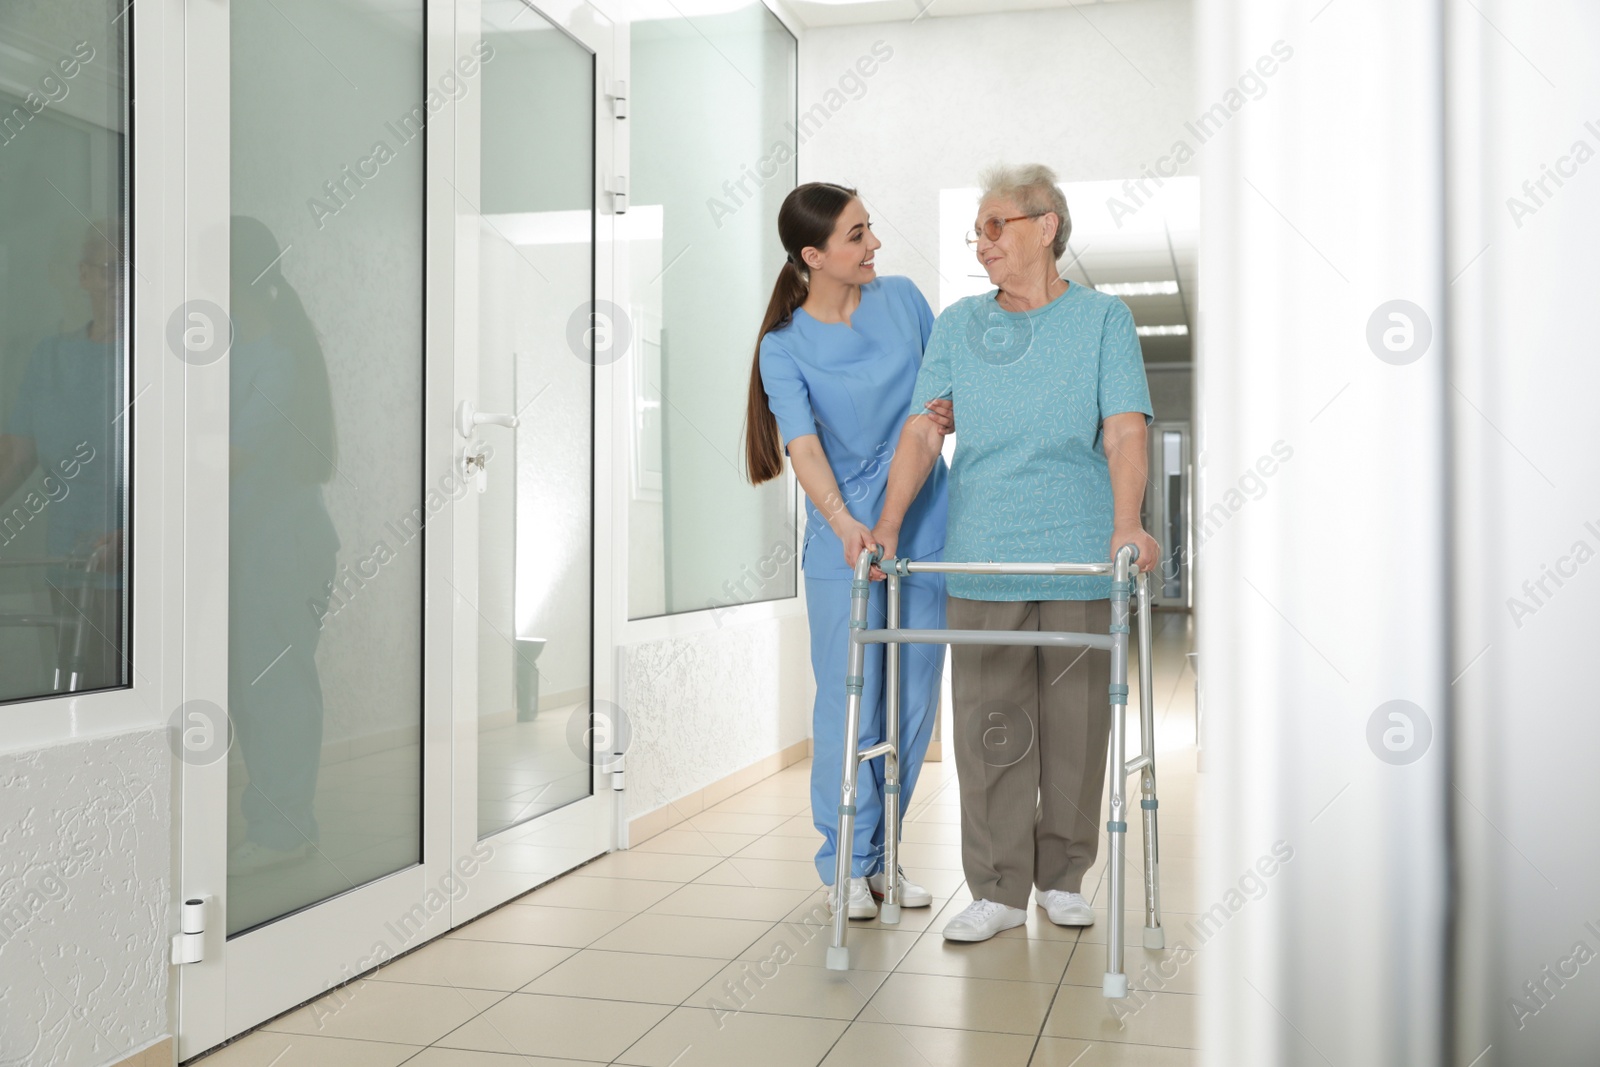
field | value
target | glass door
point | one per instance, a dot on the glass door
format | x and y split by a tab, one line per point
1168	511
316	797
531	221
393	253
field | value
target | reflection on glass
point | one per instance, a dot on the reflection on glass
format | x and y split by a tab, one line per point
703	248
534	201
326	507
1177	550
63	349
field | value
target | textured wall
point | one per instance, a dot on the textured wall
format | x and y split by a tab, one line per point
84	861
703	706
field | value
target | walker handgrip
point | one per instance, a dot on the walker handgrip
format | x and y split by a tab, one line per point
1131	547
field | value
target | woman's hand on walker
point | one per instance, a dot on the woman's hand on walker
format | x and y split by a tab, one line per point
887	539
943	414
1149	551
855	537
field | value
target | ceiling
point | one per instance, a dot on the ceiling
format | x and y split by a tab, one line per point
1118	236
814	13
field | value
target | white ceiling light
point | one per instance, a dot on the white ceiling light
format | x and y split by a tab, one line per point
1179	330
1167	288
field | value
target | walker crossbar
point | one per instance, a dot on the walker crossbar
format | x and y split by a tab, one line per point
1115	981
984	637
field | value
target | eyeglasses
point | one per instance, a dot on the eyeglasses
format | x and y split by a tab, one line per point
994	227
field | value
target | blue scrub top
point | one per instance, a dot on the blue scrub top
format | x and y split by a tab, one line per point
851	386
70	405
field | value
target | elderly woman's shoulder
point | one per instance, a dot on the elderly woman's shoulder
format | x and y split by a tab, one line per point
968	304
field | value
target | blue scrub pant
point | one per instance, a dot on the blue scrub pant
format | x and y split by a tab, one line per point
922	606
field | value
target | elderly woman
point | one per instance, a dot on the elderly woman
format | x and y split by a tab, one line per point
1051	408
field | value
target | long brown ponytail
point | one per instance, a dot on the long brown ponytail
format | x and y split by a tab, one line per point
806	220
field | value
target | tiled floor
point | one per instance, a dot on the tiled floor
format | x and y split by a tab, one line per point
704	946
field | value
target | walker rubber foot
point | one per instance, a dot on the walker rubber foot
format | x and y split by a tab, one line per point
839	958
1114	986
889	914
1155	937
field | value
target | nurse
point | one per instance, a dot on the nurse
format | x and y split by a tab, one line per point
837	360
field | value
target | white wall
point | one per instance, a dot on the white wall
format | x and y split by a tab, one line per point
706	705
1523	375
85	885
1095	93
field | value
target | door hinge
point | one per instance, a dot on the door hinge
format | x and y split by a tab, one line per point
617	186
615	766
618	92
188	946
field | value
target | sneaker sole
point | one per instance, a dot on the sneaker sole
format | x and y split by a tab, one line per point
974	936
1076	920
906	903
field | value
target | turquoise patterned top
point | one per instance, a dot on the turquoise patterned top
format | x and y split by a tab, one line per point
1029	482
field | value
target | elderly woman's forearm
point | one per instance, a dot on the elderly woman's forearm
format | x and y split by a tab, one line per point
913	461
1127	460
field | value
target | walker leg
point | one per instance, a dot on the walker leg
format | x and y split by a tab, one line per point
1115	982
860	590
889	911
1154	936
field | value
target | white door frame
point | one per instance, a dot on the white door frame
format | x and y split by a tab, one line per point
246	980
516	859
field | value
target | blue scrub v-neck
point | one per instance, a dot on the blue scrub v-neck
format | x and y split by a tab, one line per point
851	385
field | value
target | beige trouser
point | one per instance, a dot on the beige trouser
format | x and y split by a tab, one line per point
1031	728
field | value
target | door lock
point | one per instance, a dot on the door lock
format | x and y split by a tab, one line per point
475	466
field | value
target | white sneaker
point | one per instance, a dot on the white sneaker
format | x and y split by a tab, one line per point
862	906
912	895
1065	909
982	919
251	857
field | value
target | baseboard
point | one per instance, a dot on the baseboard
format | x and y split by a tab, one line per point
159	1054
671	814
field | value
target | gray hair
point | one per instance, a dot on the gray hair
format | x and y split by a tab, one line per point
1033	186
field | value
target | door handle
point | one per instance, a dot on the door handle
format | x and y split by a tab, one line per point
469	418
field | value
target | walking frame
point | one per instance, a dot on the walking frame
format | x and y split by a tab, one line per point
68	677
1124	582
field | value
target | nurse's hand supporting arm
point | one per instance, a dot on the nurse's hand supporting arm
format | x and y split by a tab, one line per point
1124	437
811	468
914	457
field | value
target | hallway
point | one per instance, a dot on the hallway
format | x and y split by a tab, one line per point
703	947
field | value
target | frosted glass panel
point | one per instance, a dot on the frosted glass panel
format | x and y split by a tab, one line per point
64	284
327	503
713	111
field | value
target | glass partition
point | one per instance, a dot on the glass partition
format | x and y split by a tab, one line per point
713	148
64	290
328	508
